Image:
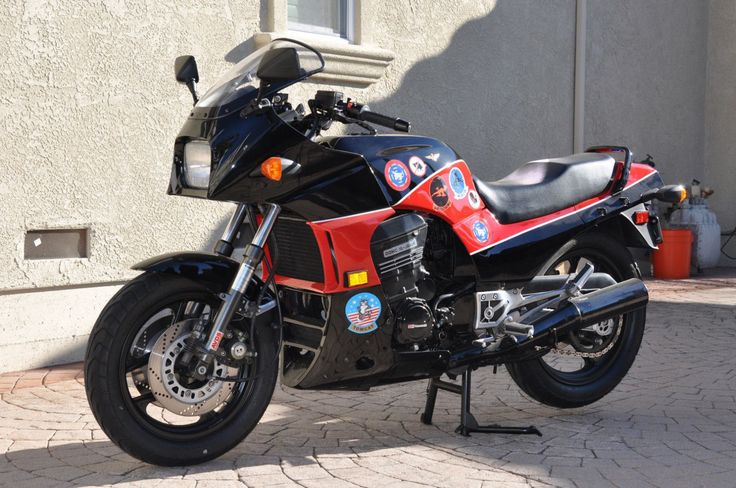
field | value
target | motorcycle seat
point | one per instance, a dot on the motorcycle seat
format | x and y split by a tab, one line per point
541	187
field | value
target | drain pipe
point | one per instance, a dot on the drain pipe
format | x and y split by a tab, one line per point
578	121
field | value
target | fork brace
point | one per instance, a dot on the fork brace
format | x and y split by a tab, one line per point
468	423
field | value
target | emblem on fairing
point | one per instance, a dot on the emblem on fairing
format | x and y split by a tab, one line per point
362	312
480	230
397	175
457	183
474	199
438	192
417	166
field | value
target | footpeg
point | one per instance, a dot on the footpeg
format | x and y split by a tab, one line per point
576	284
517	329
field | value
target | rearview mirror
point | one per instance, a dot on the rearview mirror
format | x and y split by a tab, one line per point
185	71
280	64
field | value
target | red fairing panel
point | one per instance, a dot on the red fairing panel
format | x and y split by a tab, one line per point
474	224
350	239
450	194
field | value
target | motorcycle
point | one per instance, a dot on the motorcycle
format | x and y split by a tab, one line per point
367	259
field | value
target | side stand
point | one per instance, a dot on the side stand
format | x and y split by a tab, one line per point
468	423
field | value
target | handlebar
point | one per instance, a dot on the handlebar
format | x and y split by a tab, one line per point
362	112
329	105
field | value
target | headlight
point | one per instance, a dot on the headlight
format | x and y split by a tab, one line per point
197	162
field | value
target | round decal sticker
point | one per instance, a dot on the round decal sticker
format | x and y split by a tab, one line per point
397	176
362	312
457	183
480	230
474	199
438	191
417	166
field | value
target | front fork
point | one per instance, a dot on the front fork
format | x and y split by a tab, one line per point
252	257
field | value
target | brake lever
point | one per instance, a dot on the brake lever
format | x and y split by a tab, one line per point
348	120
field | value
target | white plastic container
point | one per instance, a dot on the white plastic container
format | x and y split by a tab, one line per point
696	216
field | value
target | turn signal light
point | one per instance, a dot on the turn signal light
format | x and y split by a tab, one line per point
271	168
683	195
641	218
357	278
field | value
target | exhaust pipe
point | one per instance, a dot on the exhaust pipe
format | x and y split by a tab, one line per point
591	308
578	312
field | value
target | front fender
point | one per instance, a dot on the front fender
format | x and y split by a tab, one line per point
212	270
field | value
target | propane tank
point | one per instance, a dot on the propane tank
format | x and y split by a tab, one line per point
696	216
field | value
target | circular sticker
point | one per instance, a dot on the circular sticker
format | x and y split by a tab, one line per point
457	183
397	176
417	166
480	230
438	192
362	312
474	199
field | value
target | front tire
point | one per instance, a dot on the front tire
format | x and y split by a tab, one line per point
116	364
555	386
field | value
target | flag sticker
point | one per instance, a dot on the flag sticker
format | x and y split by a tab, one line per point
362	312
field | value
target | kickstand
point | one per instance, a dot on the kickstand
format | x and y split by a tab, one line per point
468	423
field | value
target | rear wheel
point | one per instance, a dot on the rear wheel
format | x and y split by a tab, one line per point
590	362
140	400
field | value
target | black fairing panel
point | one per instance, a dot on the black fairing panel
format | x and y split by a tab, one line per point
329	182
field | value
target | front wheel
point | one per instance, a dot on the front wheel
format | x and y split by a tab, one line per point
588	363
140	400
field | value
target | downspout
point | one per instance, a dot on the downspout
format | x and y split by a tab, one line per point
578	120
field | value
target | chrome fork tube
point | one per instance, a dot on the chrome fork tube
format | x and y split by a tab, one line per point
251	259
224	246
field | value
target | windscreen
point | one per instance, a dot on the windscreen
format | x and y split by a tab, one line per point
241	83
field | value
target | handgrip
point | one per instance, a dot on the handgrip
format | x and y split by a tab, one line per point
385	121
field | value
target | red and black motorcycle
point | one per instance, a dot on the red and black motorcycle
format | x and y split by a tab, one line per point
368	259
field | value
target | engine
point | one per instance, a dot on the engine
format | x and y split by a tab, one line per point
397	248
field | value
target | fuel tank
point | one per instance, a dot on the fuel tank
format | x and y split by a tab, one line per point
399	162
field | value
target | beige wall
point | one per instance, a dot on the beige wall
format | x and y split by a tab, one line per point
720	116
90	109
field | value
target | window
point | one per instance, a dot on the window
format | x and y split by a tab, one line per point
325	17
334	28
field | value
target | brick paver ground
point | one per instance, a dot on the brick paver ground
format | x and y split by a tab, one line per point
671	423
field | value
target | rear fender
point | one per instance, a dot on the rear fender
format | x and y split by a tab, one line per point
646	236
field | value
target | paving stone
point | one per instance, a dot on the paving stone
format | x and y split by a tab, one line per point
671	423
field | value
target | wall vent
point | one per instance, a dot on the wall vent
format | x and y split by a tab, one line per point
56	244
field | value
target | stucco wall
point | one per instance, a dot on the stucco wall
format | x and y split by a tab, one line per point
720	115
645	84
90	109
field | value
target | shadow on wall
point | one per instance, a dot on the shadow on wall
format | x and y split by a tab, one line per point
501	93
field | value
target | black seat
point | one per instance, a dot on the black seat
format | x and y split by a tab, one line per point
545	186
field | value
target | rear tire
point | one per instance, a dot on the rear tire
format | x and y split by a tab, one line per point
108	386
549	386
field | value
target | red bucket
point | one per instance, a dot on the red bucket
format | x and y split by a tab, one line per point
672	260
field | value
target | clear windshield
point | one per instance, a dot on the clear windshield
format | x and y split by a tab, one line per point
242	80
